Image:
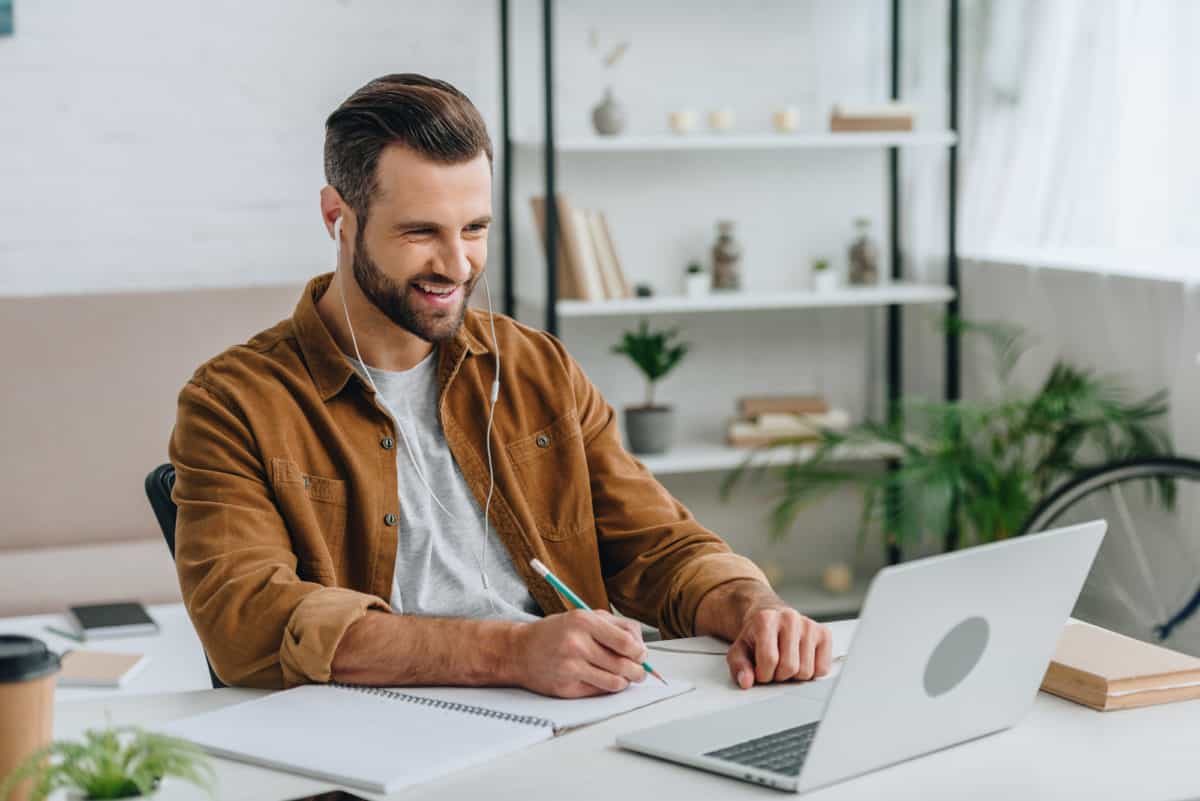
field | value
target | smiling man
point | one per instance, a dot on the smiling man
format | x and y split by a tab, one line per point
362	486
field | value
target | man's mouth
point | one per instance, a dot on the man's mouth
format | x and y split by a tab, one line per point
437	290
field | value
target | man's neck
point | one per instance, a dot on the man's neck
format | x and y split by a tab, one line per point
382	343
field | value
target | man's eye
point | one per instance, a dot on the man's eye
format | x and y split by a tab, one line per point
477	227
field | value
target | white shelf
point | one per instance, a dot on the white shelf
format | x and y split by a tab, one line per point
702	457
884	295
764	141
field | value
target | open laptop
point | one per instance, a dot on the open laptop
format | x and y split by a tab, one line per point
947	649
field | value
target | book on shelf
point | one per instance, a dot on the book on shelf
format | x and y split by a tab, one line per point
588	265
883	117
1105	670
770	427
754	405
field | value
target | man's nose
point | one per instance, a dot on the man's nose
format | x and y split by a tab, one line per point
453	263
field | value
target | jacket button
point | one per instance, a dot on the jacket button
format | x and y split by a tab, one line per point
387	443
389	519
542	441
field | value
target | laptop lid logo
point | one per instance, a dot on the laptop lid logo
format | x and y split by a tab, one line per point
956	656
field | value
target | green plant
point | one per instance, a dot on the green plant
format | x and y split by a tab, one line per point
820	265
117	762
976	468
694	268
652	352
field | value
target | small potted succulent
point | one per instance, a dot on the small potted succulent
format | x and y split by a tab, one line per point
117	762
695	281
649	426
824	277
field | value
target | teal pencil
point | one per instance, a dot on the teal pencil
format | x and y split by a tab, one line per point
567	593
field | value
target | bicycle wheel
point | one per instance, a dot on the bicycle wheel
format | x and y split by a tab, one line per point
1145	581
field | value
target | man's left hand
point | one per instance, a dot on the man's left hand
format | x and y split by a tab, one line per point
777	643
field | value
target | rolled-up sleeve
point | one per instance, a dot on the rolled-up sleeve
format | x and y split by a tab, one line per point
260	623
658	561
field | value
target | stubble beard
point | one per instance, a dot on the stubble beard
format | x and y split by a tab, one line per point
391	298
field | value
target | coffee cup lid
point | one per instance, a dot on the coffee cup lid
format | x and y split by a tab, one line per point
25	658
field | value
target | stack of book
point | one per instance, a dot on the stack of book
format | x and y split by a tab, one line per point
884	117
763	420
1105	670
588	265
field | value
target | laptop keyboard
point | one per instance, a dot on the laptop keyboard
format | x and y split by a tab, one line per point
780	752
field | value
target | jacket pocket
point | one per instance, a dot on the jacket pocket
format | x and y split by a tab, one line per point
315	509
551	465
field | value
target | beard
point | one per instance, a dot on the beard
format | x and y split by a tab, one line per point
392	298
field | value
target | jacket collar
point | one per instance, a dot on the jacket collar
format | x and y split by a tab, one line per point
330	369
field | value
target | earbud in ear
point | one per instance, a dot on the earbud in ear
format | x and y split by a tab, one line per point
337	234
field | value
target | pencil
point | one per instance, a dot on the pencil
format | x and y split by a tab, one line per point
545	573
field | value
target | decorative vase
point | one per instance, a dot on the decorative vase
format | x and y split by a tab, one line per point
786	119
649	428
608	116
722	119
727	258
864	255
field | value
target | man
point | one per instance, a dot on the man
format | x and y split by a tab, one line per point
347	455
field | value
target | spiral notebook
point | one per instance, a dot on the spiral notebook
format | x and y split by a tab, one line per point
380	739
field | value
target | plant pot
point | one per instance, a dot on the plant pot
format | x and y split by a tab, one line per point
649	428
695	285
825	280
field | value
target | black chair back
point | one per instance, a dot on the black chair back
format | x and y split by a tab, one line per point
159	484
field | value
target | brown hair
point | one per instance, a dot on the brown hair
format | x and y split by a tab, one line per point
425	114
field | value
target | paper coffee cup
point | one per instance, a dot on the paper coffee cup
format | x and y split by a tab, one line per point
27	674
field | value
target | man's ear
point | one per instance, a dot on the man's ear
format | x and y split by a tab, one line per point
334	207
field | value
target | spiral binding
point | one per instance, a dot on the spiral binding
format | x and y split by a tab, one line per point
437	703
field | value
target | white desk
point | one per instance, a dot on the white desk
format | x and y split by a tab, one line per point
1060	751
176	656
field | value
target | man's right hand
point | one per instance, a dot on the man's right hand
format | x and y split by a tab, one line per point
577	654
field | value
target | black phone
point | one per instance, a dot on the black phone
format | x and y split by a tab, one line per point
331	795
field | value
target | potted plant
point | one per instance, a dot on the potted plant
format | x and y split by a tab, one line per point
824	278
695	281
649	427
117	762
608	116
972	471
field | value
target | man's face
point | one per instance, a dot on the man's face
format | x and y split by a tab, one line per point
425	242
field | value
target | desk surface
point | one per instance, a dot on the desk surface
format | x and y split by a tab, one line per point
1060	751
176	657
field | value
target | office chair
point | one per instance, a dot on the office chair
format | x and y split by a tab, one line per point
159	484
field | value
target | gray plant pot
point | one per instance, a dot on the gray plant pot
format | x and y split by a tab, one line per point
650	429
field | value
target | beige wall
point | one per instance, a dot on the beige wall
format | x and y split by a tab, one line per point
89	390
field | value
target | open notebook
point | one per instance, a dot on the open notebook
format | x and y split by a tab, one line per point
380	739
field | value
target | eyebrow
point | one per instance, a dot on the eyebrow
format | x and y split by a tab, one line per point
412	225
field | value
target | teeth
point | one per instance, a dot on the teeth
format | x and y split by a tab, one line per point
437	290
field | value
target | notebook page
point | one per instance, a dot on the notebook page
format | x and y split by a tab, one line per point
354	738
566	713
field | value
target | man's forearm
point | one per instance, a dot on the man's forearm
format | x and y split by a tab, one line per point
723	609
384	649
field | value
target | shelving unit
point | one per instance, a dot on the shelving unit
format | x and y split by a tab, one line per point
892	294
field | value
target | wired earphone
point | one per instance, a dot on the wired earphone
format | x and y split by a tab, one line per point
481	561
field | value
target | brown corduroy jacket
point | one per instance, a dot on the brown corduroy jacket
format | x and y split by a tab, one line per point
286	486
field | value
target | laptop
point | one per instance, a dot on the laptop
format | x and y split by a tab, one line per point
947	649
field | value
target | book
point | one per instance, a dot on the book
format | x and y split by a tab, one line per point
883	117
567	290
771	427
380	739
606	253
99	668
753	406
123	619
580	253
608	272
1106	670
